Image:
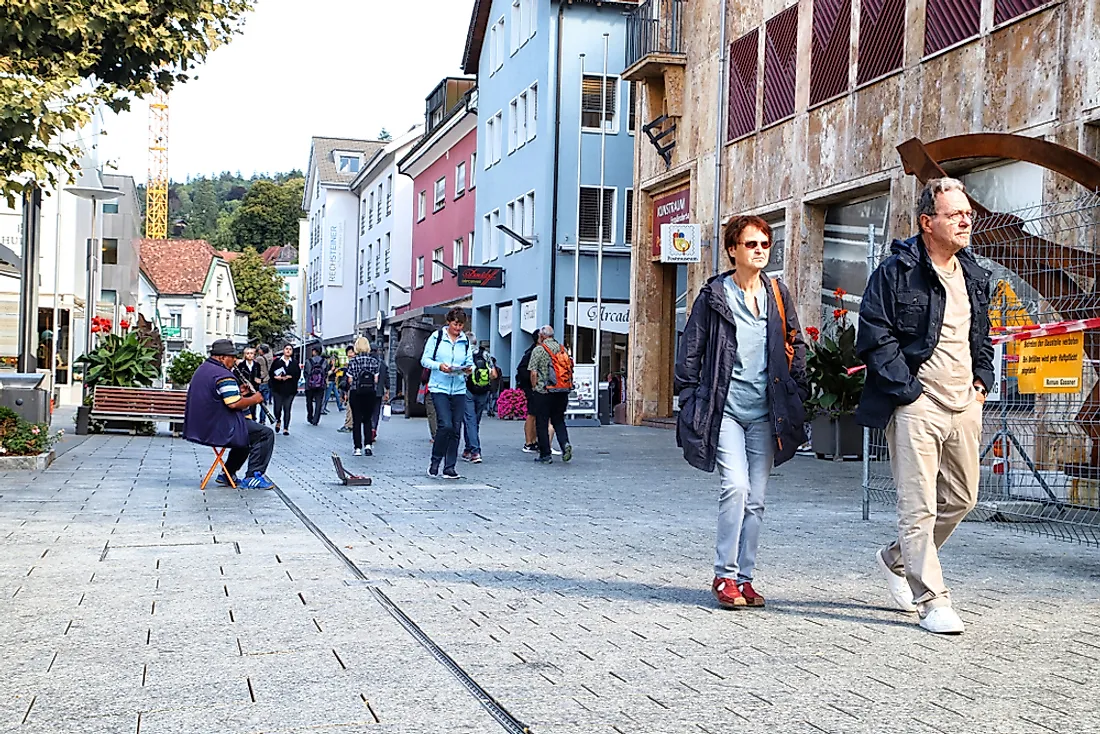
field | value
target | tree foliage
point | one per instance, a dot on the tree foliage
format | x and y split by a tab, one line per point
260	295
63	58
268	215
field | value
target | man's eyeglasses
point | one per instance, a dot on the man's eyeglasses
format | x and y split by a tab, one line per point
750	245
957	216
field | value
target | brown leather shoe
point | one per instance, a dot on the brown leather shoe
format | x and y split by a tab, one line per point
751	597
727	594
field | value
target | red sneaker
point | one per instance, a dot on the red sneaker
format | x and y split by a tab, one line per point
751	597
727	594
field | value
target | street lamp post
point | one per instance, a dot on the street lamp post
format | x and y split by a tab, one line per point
90	187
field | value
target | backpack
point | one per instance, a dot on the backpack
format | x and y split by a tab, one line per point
562	365
479	381
523	370
439	338
316	377
365	381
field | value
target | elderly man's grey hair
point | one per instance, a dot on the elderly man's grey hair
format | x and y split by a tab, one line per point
547	332
926	202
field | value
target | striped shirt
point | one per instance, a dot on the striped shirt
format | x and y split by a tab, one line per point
228	390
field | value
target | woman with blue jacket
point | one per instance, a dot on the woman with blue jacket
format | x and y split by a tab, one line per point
448	355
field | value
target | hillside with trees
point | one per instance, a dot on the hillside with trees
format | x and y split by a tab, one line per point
232	212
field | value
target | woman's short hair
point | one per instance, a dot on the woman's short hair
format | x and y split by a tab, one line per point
737	225
362	345
457	314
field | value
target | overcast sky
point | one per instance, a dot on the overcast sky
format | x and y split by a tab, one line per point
341	68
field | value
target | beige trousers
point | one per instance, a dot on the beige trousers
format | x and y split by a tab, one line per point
347	412
934	458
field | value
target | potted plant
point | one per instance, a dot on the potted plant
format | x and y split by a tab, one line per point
118	360
834	390
25	445
512	405
183	367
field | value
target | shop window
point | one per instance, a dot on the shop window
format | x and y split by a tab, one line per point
849	228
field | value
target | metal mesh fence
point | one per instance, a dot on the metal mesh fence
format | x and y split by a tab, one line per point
1040	460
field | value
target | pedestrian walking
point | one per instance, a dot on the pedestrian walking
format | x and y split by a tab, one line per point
478	384
332	388
523	382
447	354
263	358
342	385
924	336
250	368
551	369
425	397
316	370
381	394
361	375
285	373
494	389
741	378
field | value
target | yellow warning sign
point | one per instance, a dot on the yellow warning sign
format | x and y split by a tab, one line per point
1006	309
1051	364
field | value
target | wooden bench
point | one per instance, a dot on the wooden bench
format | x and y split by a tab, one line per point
138	404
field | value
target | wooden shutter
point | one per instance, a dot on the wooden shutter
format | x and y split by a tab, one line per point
1006	10
742	101
591	93
948	22
881	35
780	45
832	27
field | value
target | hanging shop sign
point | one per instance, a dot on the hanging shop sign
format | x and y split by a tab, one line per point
480	276
1051	364
681	243
504	320
582	399
615	317
529	316
671	208
334	257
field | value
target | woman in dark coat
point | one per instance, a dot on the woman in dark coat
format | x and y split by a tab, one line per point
285	372
740	375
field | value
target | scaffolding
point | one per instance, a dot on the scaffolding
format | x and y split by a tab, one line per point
1040	460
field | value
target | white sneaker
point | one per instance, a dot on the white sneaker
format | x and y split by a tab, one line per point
358	452
555	452
901	596
943	621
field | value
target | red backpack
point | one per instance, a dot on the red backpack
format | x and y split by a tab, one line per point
562	365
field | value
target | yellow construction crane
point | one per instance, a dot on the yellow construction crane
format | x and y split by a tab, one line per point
156	185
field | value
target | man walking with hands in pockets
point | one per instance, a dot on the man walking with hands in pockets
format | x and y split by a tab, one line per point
924	335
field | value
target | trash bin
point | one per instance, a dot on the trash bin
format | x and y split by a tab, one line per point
21	393
604	404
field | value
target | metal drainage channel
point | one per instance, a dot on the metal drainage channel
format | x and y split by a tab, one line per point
490	704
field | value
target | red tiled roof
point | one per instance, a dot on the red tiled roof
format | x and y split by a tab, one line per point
176	267
227	255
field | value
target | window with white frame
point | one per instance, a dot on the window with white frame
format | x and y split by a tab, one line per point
387	253
628	221
589	212
510	243
456	253
529	216
437	267
493	66
362	259
490	135
532	110
362	217
500	42
460	179
378	257
632	102
470	249
494	235
370	212
369	258
521	119
530	14
494	130
348	164
517	21
513	123
473	170
389	195
420	272
440	194
486	230
421	206
379	202
598	100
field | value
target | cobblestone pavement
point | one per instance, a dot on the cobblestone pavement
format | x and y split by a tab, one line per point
575	595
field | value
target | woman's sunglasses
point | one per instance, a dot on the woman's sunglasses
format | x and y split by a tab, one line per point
750	245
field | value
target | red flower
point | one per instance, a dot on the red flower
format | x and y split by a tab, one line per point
839	313
129	309
839	293
813	332
124	323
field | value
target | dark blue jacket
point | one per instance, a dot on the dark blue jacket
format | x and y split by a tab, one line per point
899	326
705	364
208	420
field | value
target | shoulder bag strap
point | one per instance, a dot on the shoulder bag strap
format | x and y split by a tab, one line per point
788	335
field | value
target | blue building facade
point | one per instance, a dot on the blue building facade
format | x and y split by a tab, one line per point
538	172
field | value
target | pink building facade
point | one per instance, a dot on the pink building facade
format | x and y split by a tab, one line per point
443	168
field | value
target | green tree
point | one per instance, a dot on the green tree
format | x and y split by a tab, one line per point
203	220
268	215
260	295
384	135
63	58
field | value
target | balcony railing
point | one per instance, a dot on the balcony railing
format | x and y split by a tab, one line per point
654	27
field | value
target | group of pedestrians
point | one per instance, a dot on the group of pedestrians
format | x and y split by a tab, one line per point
924	337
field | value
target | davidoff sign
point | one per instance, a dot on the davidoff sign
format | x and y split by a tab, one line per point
471	276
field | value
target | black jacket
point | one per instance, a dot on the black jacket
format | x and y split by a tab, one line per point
285	387
899	326
704	366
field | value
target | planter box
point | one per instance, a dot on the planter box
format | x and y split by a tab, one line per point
83	419
26	463
824	439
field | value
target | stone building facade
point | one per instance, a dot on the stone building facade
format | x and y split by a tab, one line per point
816	95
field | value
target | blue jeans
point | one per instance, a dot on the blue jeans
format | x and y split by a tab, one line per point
265	390
331	393
449	412
475	408
745	455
